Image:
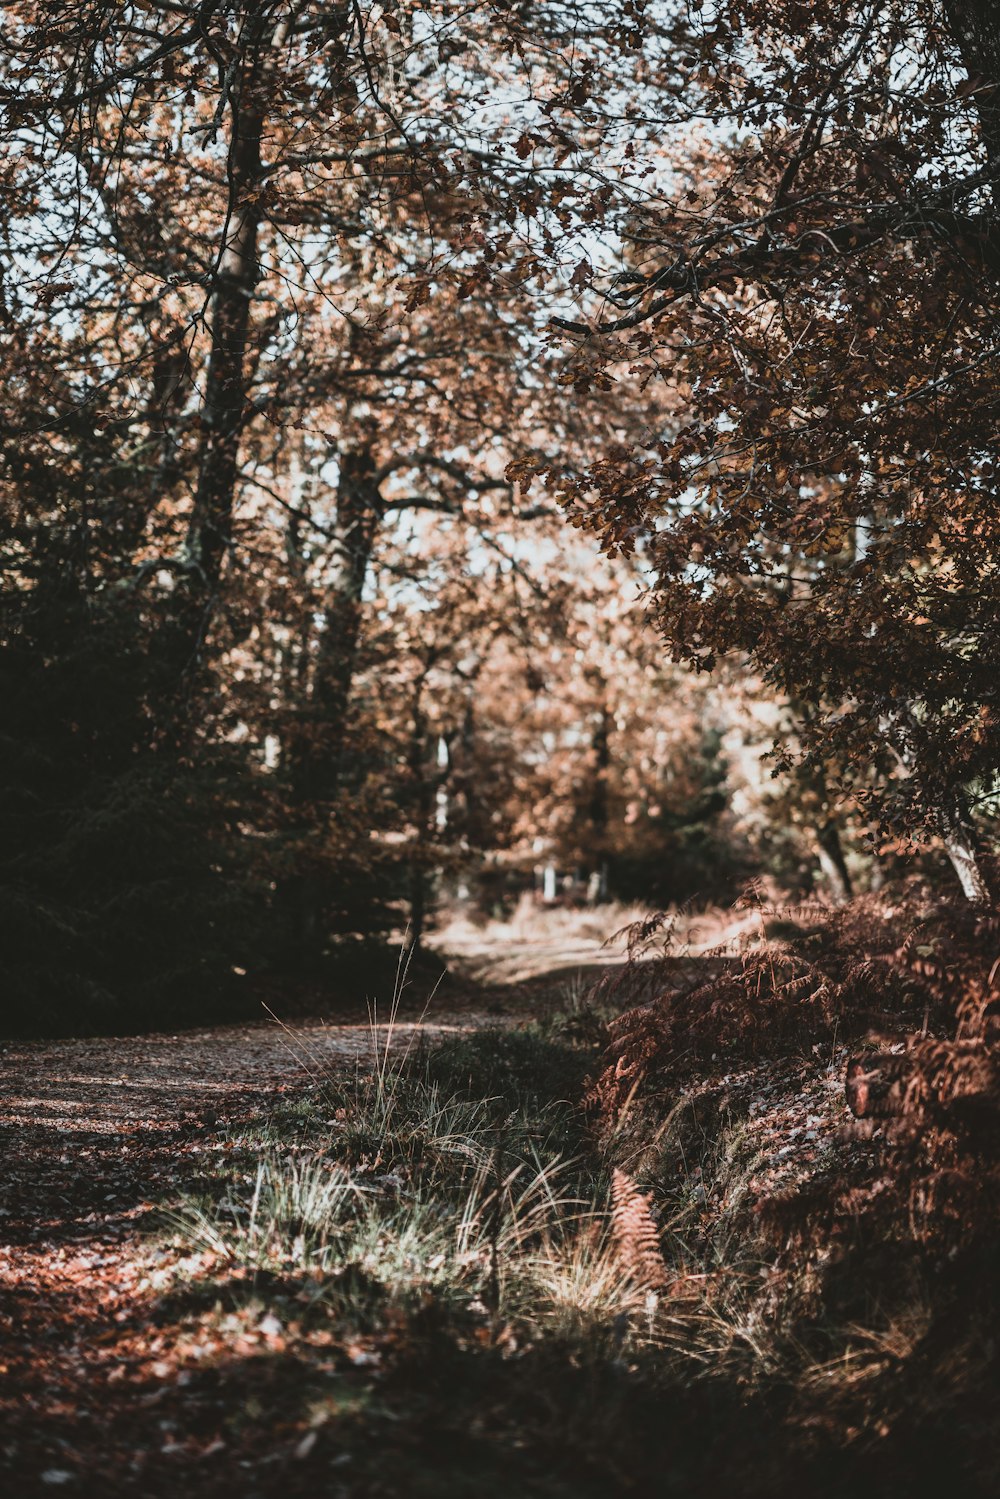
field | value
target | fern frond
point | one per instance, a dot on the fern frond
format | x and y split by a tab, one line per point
636	1241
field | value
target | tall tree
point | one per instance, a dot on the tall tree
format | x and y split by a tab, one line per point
250	310
815	277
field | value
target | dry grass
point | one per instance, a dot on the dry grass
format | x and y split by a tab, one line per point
412	1178
737	1249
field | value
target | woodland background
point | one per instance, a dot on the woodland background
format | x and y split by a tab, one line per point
473	474
320	321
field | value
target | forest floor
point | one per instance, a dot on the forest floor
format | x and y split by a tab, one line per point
332	1260
98	1136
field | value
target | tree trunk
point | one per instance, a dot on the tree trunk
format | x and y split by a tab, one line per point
427	787
601	749
223	409
359	513
416	756
832	862
316	753
975	26
224	402
961	846
599	806
465	780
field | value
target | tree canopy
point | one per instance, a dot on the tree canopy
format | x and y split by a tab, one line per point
808	262
299	303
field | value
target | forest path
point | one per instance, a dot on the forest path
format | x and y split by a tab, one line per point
97	1136
89	1127
134	1363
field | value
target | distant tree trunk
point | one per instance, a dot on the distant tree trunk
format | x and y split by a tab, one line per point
975	26
832	862
962	847
427	788
466	782
294	666
597	885
317	756
359	514
416	757
829	848
601	749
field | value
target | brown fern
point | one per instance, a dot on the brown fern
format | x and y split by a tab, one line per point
872	969
636	1240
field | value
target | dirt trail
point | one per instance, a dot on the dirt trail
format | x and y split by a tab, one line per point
114	1379
109	1083
90	1128
95	1136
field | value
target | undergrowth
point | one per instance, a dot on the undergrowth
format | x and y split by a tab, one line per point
575	1238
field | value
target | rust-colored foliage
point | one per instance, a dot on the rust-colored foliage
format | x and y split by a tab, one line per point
920	1167
869	968
818	285
636	1239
